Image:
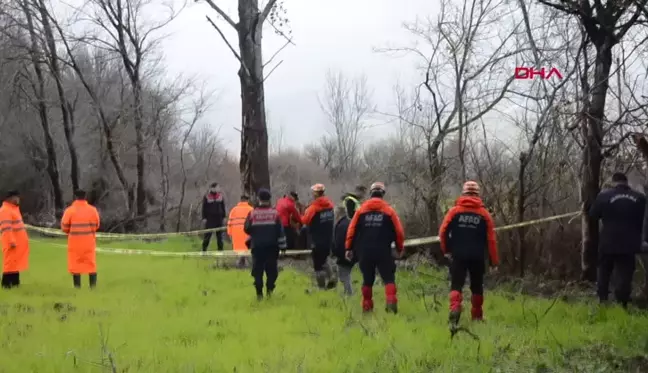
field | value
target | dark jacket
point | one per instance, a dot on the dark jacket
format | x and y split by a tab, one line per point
341	228
621	210
468	231
319	219
373	229
265	230
213	207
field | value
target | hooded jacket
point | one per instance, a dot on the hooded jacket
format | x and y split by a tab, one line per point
373	229
468	231
319	217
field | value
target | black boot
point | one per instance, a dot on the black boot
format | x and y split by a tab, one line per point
76	281
320	279
93	280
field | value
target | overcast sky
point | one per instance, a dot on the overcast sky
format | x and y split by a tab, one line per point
332	34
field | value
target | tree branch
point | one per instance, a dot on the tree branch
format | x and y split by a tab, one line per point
218	10
229	45
266	11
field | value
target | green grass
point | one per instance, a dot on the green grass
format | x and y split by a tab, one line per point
152	314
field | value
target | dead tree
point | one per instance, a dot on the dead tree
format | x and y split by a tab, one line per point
254	166
605	25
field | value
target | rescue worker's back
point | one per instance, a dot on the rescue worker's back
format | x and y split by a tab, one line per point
468	231
466	234
371	232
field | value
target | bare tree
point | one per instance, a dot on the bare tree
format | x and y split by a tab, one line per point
346	104
65	105
461	85
106	119
604	25
123	29
39	87
253	165
200	105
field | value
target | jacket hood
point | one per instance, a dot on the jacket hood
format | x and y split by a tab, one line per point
470	202
375	203
324	202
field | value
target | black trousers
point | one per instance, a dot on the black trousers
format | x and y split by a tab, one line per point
219	234
474	268
265	262
291	237
92	278
319	254
385	265
10	280
625	267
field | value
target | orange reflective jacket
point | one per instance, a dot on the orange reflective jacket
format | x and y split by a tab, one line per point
235	226
15	242
81	221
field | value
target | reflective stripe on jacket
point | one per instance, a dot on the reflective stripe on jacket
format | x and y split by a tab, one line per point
81	222
15	242
235	225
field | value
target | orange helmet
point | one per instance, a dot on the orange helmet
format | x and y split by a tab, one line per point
318	188
470	187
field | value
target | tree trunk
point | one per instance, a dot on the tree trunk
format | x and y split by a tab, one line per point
140	194
253	165
68	124
39	90
521	202
592	131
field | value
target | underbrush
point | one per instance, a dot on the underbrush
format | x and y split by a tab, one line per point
158	315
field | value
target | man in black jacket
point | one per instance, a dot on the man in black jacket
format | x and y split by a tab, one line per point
264	227
621	210
213	215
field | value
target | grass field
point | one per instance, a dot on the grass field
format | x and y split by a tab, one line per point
154	315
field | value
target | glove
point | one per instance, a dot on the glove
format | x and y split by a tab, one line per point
448	256
348	254
494	269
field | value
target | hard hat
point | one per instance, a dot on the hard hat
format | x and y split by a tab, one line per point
378	186
318	188
470	187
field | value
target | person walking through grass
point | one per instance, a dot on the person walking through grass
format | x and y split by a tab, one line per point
466	234
15	242
81	222
373	229
345	266
318	220
264	227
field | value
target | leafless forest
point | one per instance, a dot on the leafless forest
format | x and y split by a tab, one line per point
85	102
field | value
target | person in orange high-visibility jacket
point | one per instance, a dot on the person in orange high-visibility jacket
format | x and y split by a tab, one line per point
15	242
81	222
235	224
